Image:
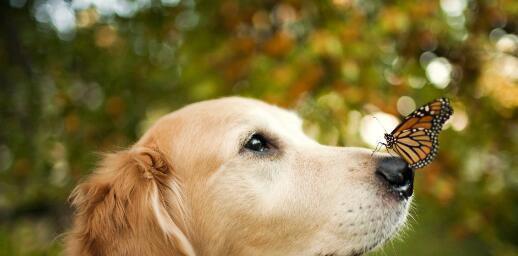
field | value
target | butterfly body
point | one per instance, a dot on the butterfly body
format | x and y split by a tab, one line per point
416	138
390	140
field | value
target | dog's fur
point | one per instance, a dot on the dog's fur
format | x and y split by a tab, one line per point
189	187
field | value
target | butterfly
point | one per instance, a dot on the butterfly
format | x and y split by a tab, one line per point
416	138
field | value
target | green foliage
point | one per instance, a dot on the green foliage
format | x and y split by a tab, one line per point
68	92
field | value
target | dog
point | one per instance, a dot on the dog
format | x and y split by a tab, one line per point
237	176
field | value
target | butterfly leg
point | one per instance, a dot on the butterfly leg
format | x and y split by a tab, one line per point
377	147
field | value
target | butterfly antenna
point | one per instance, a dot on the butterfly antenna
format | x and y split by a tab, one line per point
380	123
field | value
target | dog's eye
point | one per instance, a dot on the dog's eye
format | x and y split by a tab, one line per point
257	143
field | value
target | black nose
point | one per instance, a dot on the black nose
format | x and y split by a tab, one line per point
398	175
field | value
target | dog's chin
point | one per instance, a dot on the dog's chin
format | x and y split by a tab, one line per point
389	226
366	227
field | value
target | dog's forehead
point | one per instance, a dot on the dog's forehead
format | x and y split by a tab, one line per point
239	116
282	123
274	118
231	118
250	112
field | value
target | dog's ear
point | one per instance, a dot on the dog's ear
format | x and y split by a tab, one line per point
131	205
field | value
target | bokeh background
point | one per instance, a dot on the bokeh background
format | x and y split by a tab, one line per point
80	77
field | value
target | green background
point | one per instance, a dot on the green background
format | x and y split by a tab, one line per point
82	77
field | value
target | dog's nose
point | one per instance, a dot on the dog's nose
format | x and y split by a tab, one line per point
398	175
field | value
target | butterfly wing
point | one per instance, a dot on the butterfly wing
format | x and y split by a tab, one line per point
417	146
430	116
416	138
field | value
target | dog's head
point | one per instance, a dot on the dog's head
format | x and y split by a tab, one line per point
246	180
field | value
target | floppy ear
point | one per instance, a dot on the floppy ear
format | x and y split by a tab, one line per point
131	205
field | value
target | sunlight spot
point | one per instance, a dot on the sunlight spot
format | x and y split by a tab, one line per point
453	7
170	2
62	16
405	105
59	14
87	18
496	34
416	82
123	8
342	3
59	173
459	120
186	20
372	129
285	14
438	72
456	22
508	67
392	78
80	4
507	43
426	57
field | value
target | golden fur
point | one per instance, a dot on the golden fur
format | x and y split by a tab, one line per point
188	187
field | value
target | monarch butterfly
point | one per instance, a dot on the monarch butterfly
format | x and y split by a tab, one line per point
416	138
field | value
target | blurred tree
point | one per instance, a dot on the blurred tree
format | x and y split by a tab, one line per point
87	76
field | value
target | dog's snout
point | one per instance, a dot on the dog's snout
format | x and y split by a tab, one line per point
399	176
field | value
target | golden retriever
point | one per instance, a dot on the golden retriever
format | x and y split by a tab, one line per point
236	176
